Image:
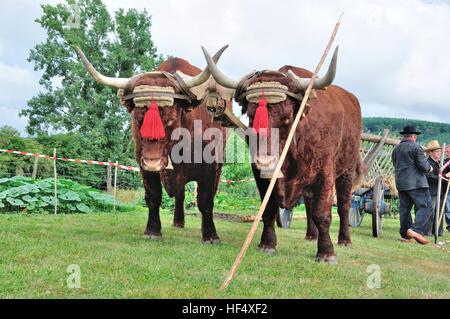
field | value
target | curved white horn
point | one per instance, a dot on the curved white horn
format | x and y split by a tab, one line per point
220	78
319	83
118	83
204	76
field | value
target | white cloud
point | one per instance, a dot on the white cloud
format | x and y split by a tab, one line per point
18	84
10	116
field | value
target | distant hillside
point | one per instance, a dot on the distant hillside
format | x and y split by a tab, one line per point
430	130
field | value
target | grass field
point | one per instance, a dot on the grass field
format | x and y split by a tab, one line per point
117	262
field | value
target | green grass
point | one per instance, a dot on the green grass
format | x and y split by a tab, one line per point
117	262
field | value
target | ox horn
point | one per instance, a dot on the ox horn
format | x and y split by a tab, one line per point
220	78
118	83
204	76
320	83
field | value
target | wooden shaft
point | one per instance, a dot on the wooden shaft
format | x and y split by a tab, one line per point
438	200
374	152
55	181
444	203
234	119
376	138
254	227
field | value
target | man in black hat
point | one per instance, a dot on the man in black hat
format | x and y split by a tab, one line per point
410	166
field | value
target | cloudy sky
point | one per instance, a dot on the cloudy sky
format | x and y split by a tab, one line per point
394	55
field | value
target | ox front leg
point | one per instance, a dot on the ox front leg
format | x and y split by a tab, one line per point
268	242
205	202
344	198
322	218
153	198
311	229
178	215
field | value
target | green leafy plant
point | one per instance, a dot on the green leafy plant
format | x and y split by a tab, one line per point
36	196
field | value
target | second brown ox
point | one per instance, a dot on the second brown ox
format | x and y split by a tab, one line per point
324	155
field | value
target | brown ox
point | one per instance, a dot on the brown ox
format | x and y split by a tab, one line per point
153	155
324	154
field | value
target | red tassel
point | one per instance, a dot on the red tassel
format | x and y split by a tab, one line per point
261	120
152	128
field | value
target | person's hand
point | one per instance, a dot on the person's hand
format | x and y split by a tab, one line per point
447	175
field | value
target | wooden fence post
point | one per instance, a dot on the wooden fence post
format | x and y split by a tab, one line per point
35	167
115	185
56	181
108	178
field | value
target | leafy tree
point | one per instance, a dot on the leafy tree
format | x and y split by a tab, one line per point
119	45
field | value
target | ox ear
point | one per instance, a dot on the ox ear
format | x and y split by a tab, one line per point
244	106
129	105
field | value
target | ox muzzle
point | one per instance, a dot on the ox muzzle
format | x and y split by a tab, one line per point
156	164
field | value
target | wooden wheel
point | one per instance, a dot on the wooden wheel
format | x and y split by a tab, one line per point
377	199
285	218
356	213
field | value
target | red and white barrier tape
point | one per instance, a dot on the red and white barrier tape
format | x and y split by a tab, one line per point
89	162
128	168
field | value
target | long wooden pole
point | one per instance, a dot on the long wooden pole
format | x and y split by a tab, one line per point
444	203
438	200
254	227
55	181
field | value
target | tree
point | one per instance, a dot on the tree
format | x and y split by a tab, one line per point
73	102
11	164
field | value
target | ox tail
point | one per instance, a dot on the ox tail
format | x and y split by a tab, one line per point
360	175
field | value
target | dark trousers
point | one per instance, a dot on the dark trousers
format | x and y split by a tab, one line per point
420	198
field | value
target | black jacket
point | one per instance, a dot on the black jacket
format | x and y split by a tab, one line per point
410	166
433	178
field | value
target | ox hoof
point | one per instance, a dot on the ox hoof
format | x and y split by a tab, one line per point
327	259
152	236
345	243
211	241
178	225
310	238
271	251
